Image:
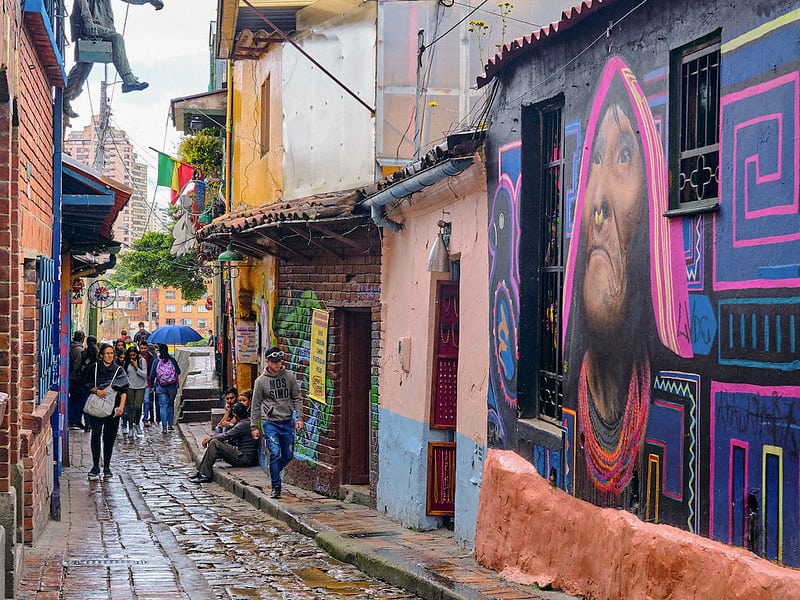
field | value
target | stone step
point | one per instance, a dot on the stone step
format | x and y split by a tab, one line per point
195	416
199	403
187	392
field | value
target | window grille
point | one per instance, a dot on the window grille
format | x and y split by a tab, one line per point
694	93
551	269
45	292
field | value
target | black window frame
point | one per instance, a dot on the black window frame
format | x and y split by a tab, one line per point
539	162
707	47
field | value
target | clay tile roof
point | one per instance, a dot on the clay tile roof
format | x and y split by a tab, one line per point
333	206
516	48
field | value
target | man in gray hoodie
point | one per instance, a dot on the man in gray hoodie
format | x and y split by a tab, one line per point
276	400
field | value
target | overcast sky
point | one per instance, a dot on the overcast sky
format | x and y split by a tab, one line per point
167	48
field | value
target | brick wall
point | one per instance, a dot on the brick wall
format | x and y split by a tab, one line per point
32	228
336	284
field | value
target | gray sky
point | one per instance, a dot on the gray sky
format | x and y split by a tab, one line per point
167	48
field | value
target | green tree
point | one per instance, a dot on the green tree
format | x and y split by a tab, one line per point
149	264
203	150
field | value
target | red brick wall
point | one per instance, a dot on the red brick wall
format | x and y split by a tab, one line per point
32	230
328	282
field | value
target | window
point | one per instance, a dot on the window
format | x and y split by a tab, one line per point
201	324
694	127
187	308
170	321
265	102
201	308
170	308
187	322
542	256
169	294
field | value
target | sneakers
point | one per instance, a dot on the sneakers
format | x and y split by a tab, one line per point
107	474
146	423
134	85
170	428
94	473
276	493
137	430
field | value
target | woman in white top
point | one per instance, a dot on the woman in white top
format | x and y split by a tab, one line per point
136	370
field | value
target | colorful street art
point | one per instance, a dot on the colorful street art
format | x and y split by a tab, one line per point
292	327
610	274
680	334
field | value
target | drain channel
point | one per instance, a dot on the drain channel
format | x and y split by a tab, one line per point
101	562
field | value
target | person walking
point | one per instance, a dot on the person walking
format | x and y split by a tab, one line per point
106	372
141	335
136	369
164	374
77	393
147	403
237	447
278	408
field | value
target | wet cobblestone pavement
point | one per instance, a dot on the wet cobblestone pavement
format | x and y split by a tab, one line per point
149	533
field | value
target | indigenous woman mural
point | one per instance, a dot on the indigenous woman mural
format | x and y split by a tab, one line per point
624	289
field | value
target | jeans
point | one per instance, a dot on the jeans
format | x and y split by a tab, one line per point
279	436
77	399
220	450
166	403
146	405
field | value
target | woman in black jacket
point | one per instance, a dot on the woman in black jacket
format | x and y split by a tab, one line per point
105	373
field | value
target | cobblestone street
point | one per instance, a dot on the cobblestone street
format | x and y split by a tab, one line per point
149	533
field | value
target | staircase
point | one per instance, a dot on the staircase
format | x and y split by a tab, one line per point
196	404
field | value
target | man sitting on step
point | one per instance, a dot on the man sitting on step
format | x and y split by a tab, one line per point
236	447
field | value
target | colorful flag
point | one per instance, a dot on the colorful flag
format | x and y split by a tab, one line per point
174	174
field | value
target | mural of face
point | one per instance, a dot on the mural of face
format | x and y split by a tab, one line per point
612	213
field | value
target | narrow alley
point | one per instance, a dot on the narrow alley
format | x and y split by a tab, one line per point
149	533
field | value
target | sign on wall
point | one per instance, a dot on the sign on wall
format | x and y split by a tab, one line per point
319	355
246	343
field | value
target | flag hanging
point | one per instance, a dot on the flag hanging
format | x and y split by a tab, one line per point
174	174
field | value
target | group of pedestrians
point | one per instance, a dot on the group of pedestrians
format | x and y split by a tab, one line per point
137	373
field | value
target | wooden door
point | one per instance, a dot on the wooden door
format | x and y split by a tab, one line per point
355	397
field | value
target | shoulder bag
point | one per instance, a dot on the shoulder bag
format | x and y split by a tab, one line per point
101	407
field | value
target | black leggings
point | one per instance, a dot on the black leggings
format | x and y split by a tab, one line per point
105	428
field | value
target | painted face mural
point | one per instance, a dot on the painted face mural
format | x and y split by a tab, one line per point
625	286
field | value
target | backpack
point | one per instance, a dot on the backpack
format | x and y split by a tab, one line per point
165	372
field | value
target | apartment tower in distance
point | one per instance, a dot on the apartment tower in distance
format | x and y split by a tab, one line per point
120	163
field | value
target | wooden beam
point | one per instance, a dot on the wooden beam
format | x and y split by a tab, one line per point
344	239
280	245
310	239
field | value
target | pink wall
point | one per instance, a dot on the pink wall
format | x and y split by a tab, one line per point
408	295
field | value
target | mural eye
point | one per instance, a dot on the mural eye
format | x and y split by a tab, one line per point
596	160
625	155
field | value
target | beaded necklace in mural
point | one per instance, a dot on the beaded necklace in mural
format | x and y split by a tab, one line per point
611	462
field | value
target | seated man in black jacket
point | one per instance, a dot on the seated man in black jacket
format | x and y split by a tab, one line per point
236	447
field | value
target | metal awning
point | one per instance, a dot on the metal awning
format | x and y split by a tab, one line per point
90	205
199	111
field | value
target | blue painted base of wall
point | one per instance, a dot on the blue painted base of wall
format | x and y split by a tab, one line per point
403	468
469	475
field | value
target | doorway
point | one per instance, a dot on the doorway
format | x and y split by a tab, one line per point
357	365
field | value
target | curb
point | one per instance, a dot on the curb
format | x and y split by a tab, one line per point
380	565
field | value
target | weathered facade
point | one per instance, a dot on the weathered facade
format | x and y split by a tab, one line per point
643	214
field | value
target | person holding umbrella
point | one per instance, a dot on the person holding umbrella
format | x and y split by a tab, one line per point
164	375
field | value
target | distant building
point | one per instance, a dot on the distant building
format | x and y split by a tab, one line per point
120	163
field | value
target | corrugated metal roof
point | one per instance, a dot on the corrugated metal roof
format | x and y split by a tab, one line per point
516	48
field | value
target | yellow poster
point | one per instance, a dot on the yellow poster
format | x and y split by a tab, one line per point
319	355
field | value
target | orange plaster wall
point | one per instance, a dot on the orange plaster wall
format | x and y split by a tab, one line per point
532	533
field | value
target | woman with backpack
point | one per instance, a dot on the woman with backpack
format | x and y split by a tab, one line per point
164	379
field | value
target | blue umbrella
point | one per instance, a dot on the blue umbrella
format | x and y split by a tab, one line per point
173	335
